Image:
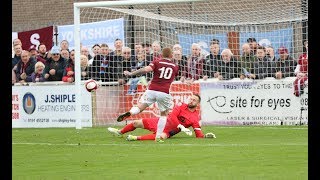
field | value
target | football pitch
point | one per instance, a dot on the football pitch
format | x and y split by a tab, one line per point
243	152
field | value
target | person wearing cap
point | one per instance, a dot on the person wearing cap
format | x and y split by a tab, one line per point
33	51
285	65
253	45
34	54
55	65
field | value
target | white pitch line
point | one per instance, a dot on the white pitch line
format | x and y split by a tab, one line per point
234	127
163	144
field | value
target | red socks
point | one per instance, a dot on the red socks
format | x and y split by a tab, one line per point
127	128
298	86
147	137
130	127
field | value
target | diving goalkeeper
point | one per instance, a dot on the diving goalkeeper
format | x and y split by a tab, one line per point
180	119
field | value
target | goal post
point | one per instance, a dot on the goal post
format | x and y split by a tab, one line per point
77	22
277	26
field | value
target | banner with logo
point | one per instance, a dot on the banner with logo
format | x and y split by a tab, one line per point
258	102
94	33
49	106
33	38
276	38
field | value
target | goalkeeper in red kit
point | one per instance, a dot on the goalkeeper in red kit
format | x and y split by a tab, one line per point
185	115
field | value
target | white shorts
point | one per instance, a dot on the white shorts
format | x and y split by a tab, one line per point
164	100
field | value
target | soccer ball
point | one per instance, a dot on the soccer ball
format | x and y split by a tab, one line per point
91	85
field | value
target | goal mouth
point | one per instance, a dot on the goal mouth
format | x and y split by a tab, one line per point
203	30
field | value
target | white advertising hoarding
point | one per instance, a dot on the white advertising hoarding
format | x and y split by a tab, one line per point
258	102
49	106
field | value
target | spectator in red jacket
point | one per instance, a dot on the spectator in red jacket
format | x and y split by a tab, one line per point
301	73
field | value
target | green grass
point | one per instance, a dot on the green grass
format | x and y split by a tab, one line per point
253	152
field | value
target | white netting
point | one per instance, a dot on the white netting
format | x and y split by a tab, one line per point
280	25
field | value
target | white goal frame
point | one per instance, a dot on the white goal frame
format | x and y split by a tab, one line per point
296	17
76	12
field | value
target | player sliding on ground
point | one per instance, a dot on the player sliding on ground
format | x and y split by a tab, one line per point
185	115
164	73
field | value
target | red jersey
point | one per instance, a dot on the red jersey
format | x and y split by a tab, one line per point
303	62
164	73
182	115
156	56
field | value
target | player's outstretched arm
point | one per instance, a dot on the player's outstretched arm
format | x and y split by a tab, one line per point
138	72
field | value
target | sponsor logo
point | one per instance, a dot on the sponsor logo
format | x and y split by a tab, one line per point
219	104
29	103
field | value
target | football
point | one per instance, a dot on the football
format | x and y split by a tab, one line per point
91	85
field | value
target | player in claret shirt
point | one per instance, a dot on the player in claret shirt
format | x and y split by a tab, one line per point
185	115
164	73
301	72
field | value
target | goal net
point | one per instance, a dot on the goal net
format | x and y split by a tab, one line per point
250	84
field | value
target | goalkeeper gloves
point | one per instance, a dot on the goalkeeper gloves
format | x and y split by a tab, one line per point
210	135
185	130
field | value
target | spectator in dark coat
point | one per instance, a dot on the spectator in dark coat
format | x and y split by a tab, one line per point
227	68
25	67
55	66
285	65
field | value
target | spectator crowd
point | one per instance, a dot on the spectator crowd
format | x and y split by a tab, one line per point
104	64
